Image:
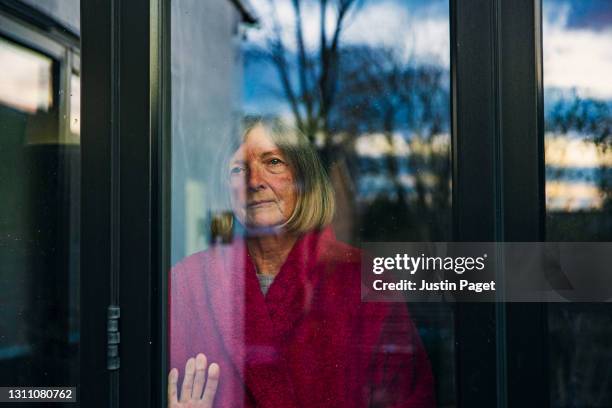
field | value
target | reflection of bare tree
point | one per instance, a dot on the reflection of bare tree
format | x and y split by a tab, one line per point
579	332
337	92
381	92
587	116
371	97
308	77
592	118
579	337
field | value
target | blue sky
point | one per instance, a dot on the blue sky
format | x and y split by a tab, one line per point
591	14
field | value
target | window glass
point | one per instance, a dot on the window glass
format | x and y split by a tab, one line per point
578	154
75	105
301	129
39	223
578	121
26	82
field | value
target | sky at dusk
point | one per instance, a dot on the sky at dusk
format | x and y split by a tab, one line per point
578	46
577	41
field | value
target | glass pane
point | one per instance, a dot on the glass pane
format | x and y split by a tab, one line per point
25	84
75	106
300	130
578	121
39	225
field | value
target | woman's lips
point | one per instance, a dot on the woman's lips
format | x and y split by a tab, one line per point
260	203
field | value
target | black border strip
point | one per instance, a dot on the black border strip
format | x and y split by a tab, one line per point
96	187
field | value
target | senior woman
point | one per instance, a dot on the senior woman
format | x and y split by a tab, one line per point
278	310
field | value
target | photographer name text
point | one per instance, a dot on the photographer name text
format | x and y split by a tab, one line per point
444	285
411	265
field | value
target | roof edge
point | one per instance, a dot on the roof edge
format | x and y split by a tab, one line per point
246	11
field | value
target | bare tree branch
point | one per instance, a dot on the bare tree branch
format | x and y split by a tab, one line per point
330	61
302	65
277	55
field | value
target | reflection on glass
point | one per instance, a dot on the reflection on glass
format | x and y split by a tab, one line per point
75	105
365	84
578	156
39	226
25	83
370	88
279	307
578	116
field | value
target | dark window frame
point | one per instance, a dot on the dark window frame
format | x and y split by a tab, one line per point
496	125
498	187
125	144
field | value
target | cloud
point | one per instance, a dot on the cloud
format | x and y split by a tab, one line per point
418	32
423	36
377	146
567	150
579	57
280	14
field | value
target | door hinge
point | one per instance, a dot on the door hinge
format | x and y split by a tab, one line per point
112	337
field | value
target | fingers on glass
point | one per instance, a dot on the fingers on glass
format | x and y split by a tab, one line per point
200	376
196	377
188	380
211	385
172	389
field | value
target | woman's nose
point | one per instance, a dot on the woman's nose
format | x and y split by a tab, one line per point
254	178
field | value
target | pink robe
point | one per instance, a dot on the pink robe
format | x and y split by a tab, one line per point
310	342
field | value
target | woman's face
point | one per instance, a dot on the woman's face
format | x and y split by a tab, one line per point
262	182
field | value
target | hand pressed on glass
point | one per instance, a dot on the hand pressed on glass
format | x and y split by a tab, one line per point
196	376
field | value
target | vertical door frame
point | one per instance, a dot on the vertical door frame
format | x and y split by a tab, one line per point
498	190
476	187
126	161
95	202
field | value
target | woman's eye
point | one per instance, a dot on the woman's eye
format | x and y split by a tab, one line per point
236	170
275	161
